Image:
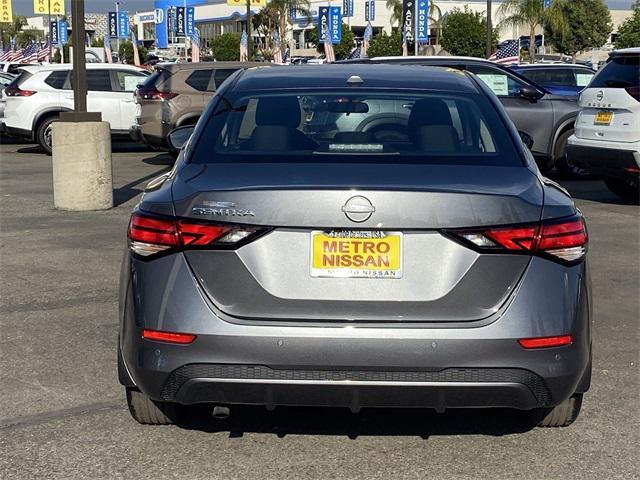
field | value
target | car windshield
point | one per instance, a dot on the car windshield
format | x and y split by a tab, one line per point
354	125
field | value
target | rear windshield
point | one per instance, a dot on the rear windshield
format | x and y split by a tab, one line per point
363	126
151	80
619	72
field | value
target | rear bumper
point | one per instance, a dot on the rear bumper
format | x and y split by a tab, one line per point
613	160
354	366
137	134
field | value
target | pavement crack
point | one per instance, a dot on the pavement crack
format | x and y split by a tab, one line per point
45	417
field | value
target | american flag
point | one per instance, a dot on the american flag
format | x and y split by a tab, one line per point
43	53
405	47
107	49
6	53
195	46
329	54
30	54
244	47
368	33
277	55
508	53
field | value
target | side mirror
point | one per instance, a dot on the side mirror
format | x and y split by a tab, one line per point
526	139
530	93
179	136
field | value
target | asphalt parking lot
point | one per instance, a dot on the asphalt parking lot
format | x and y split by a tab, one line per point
63	413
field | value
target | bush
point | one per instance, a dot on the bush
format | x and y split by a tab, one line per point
629	31
226	47
125	52
384	45
465	33
342	49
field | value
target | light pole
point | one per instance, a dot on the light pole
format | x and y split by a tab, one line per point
249	32
489	29
118	29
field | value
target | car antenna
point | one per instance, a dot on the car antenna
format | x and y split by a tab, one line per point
355	80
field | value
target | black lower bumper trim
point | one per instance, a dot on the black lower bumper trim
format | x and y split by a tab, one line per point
451	387
604	161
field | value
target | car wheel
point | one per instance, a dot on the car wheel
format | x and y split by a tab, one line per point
624	188
43	135
562	415
150	412
562	164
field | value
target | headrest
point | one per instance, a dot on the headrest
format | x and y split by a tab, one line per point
283	111
428	111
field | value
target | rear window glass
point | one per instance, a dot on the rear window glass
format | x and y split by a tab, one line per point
153	79
551	76
57	79
199	79
221	74
355	126
98	80
619	72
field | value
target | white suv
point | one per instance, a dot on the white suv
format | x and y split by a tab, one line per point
606	137
36	98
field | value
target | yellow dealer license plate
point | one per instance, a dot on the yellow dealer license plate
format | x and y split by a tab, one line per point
368	254
603	118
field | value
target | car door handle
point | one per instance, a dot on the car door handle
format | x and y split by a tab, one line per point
127	101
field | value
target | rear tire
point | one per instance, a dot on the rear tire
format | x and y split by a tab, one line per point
625	189
150	412
564	168
43	134
562	415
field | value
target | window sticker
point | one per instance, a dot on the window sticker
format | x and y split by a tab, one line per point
583	79
497	83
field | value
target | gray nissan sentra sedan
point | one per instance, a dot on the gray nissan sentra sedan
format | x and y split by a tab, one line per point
355	236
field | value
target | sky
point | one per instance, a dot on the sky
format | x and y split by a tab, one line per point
25	7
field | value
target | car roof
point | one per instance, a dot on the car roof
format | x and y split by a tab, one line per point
432	57
372	75
33	68
206	65
532	66
626	51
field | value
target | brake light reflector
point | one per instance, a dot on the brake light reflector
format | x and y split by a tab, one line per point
564	239
168	337
150	235
154	94
546	342
14	91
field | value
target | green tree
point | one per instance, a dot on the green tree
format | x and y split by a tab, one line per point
97	42
226	47
629	31
8	30
384	45
125	52
342	49
589	26
464	33
532	14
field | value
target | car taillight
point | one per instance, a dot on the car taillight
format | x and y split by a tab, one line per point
13	91
634	92
151	235
155	94
546	342
564	240
168	337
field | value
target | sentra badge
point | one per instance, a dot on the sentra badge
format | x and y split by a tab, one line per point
222	209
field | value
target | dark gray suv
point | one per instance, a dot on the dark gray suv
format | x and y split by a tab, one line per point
355	236
548	118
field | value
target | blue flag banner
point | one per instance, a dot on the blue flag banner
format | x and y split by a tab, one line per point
123	25
372	10
323	23
347	8
180	21
113	24
366	11
63	32
190	22
335	22
422	22
55	36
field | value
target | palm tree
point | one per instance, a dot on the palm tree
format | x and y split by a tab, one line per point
531	14
396	11
9	30
282	9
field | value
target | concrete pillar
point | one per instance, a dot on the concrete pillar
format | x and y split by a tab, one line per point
82	178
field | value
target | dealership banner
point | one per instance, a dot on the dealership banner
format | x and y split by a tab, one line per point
6	13
372	10
190	22
408	20
63	32
123	25
113	24
44	7
335	22
54	37
422	21
323	24
180	21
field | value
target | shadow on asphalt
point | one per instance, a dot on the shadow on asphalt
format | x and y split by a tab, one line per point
160	159
132	189
371	422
